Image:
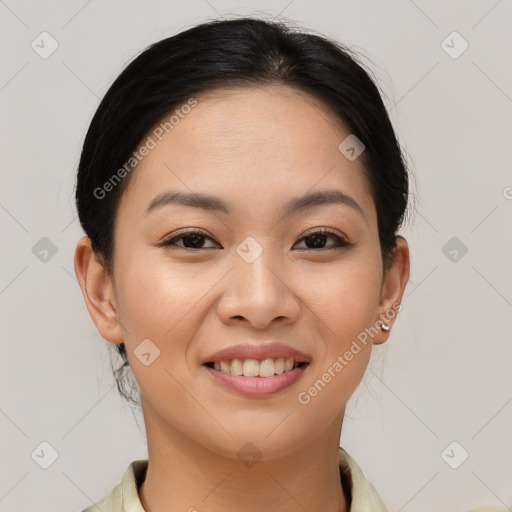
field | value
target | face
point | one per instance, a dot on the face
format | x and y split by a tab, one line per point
252	267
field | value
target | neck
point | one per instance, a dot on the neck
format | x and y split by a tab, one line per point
185	475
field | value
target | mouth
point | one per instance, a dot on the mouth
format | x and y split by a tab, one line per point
264	368
253	378
256	370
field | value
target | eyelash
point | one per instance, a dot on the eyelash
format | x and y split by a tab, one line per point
341	242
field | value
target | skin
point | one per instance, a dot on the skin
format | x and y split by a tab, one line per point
255	148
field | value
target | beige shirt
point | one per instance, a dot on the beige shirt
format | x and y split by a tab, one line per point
360	493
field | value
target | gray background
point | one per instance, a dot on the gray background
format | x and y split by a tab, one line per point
443	376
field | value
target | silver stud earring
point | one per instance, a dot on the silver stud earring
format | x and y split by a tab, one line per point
385	327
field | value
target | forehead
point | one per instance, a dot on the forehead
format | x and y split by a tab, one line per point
251	145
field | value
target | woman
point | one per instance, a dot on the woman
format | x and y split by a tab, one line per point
241	189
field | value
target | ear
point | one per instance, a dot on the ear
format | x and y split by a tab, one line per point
393	286
97	290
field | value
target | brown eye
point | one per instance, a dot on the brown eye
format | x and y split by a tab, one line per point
317	239
195	240
191	240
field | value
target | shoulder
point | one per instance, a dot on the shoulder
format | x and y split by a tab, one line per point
364	496
124	496
490	509
113	502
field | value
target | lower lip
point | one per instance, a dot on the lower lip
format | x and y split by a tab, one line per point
258	386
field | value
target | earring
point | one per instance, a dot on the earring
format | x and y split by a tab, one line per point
385	327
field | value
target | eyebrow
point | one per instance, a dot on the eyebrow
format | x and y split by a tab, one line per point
215	204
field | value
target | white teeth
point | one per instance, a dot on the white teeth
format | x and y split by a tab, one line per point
236	367
279	365
266	368
253	368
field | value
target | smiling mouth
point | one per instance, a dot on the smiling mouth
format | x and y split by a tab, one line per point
268	367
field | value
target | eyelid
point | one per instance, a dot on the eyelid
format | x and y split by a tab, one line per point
327	231
341	239
186	232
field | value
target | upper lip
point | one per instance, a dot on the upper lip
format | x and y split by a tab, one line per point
257	351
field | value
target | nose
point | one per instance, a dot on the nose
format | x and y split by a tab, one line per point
258	293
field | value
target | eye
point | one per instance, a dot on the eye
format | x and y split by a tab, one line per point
191	240
195	240
318	238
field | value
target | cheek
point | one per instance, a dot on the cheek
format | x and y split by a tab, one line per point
156	295
161	302
159	314
342	310
344	299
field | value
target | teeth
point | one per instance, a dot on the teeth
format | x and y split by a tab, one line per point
254	368
266	368
235	368
251	368
279	365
